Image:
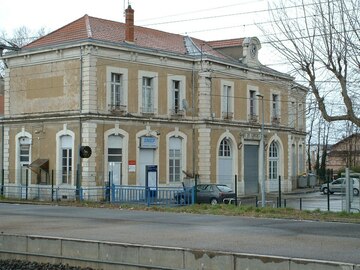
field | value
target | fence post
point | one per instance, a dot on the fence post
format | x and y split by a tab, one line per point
328	188
52	185
195	191
236	192
279	191
77	192
2	182
27	184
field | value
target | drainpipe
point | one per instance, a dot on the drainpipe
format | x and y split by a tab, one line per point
193	116
78	171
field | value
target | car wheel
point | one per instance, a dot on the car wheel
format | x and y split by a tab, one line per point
356	192
325	190
214	201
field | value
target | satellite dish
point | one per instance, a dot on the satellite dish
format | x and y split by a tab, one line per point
185	104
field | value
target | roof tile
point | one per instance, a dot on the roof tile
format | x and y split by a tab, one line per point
88	27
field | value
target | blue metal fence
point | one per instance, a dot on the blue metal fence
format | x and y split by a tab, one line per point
165	196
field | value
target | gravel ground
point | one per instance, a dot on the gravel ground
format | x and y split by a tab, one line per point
25	265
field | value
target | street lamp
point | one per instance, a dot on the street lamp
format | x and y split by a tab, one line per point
262	152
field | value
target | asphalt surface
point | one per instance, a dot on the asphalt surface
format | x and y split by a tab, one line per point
327	241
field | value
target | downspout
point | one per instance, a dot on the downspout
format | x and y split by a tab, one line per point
193	116
79	171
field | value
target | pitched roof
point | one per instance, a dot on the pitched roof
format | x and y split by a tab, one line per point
226	43
91	28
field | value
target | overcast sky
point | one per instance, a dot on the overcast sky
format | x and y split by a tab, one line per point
204	19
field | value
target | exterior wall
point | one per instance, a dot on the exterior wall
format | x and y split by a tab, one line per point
344	154
44	88
67	90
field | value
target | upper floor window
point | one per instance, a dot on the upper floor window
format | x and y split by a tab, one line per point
252	102
292	114
227	99
275	109
147	92
275	105
117	89
176	94
116	98
252	105
148	95
176	97
226	104
301	116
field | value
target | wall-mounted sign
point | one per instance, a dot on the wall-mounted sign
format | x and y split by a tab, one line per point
148	142
132	165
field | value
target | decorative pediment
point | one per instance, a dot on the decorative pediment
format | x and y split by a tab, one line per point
251	47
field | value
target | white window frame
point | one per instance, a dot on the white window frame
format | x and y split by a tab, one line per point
154	77
255	114
225	148
64	132
125	144
275	112
300	114
183	137
170	93
292	114
124	88
28	137
175	154
274	160
69	167
227	99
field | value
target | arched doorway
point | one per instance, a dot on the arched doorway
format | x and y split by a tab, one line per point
274	157
115	158
225	165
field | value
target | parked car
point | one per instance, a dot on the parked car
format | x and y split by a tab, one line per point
338	185
206	193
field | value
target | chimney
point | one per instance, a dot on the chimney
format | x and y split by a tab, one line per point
129	24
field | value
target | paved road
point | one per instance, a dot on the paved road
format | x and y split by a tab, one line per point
301	239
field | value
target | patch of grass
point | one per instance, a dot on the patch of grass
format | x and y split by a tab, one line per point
222	209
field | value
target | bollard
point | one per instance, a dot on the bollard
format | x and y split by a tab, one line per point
300	204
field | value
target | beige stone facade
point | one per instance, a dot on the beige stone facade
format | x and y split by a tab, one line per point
58	99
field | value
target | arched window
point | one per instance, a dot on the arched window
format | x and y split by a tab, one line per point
66	158
273	161
225	149
175	159
23	159
115	158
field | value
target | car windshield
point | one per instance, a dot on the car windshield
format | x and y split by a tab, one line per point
224	189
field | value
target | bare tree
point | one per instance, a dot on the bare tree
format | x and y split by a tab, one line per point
321	40
21	37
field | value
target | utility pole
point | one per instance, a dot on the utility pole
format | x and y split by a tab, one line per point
263	201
